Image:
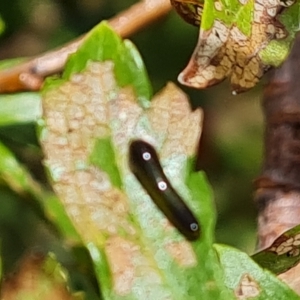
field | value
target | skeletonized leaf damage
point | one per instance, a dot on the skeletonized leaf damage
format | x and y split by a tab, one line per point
235	40
191	11
89	115
283	254
88	108
89	118
248	280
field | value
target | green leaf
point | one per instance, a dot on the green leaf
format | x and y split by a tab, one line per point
248	280
228	13
101	45
103	156
1	269
136	253
86	135
211	271
56	214
277	50
19	108
8	63
283	254
18	178
2	25
14	174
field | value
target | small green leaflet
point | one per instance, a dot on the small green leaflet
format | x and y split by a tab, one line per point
236	40
283	254
248	280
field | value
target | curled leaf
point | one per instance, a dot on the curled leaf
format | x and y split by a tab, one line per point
238	39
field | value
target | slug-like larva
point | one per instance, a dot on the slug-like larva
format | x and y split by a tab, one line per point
145	165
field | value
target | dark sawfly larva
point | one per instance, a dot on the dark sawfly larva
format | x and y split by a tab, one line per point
145	165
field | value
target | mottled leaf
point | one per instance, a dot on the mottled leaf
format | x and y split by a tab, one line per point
190	10
239	39
137	253
283	254
250	281
19	179
128	68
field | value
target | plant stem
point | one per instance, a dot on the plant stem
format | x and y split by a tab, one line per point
30	74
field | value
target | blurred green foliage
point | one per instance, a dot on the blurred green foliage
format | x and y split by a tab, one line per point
231	146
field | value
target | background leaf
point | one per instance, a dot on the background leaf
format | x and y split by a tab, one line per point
20	108
38	277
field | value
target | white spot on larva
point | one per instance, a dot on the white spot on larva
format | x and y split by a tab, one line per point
243	2
146	156
162	185
194	226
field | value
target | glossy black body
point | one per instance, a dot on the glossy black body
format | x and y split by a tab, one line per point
145	165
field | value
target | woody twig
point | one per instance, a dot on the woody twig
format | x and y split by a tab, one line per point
30	74
278	188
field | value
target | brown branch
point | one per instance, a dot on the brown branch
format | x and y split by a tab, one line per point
30	74
278	188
